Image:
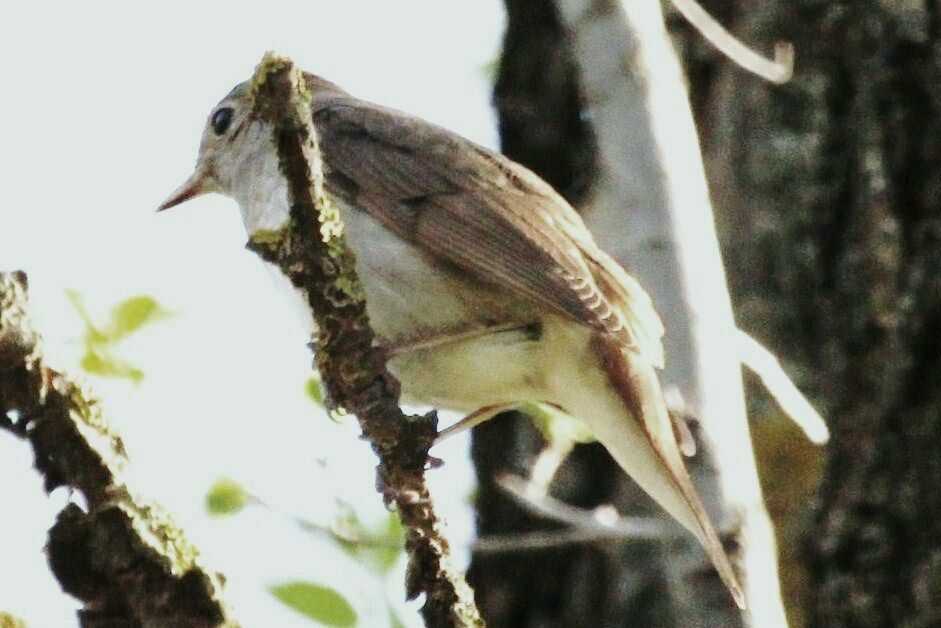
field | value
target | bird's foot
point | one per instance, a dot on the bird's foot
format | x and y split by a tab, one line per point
473	419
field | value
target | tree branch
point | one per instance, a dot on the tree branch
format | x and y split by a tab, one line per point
650	209
779	70
541	540
603	521
354	375
124	558
792	401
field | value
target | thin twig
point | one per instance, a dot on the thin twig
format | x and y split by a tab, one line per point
492	544
544	539
470	421
547	464
765	365
343	535
603	520
778	70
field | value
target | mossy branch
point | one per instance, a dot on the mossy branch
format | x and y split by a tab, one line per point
124	558
354	375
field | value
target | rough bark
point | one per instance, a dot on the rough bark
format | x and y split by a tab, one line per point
650	208
354	374
123	557
831	221
639	202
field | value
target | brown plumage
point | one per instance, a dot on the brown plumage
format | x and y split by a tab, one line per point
476	209
448	236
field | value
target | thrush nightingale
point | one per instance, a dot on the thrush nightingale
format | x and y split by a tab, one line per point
484	285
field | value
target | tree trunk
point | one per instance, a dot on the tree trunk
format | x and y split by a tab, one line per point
829	191
643	192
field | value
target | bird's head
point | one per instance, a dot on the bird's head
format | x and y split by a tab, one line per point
235	152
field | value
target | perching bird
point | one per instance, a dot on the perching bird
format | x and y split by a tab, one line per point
484	285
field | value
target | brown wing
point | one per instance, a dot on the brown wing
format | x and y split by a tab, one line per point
469	206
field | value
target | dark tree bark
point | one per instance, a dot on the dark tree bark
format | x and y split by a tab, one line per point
542	112
827	192
541	127
829	198
536	96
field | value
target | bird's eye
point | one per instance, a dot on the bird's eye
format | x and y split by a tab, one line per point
221	120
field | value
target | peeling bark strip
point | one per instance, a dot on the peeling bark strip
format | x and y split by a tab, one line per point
125	559
832	216
650	208
635	175
354	375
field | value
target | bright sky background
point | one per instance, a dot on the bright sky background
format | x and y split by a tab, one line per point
102	110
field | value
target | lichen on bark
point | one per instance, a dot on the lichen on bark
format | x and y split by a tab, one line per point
123	557
354	374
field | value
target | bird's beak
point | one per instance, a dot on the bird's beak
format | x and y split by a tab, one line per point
199	183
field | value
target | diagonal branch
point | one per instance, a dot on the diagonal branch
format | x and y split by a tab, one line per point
124	558
650	209
777	70
354	374
601	521
792	401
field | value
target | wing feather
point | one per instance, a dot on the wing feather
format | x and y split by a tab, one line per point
480	211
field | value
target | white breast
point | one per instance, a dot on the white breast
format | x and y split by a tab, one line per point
261	192
405	292
409	297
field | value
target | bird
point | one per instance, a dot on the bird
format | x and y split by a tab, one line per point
483	285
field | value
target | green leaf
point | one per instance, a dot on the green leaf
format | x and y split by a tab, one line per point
317	602
490	68
472	495
314	389
556	426
226	497
78	302
395	619
131	314
394	543
92	334
98	362
379	550
126	318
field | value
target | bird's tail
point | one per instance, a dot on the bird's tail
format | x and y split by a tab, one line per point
645	446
